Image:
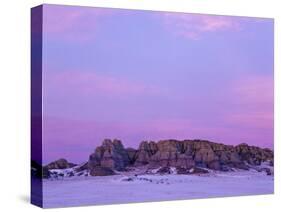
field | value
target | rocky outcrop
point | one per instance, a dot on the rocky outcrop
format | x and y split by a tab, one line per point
60	164
110	155
188	154
253	155
205	156
145	151
199	153
171	153
186	157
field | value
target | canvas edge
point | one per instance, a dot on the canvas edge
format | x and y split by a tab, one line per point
36	106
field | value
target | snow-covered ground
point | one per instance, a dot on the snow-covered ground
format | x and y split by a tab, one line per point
127	188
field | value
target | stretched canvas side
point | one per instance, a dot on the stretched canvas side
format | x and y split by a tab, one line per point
36	106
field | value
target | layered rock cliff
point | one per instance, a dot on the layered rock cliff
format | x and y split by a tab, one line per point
184	155
165	156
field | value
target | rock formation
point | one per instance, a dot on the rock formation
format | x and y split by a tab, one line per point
144	152
60	164
110	155
186	157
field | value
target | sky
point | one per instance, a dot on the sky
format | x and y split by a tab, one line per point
143	75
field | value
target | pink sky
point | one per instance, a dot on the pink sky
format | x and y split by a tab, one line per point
142	75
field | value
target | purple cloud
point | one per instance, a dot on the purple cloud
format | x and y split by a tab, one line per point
93	83
193	26
73	24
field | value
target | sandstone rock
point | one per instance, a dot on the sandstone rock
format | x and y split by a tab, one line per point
168	154
142	158
204	153
184	155
162	159
110	154
60	164
101	171
145	151
234	157
224	157
170	146
253	155
185	161
188	147
215	165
